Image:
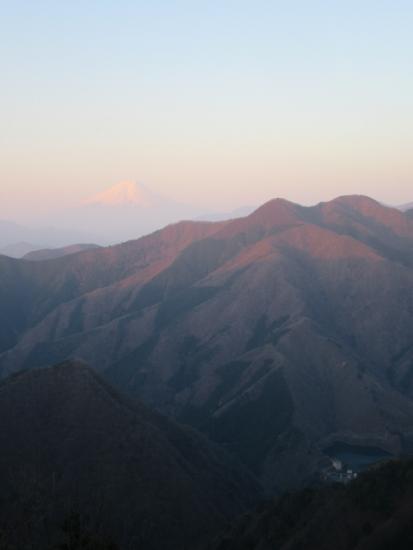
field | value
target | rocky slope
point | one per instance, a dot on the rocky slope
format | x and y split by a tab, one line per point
276	334
71	445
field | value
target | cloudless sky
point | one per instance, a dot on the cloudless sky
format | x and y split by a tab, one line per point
221	103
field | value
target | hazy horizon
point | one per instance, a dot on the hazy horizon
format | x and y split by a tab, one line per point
63	213
218	105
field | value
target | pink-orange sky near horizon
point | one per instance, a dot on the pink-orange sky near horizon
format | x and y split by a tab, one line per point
220	104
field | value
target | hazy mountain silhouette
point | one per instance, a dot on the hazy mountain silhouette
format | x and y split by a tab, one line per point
126	211
406	207
276	334
13	236
222	216
51	253
18	249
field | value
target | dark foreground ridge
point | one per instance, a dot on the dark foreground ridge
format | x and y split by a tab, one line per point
78	461
374	512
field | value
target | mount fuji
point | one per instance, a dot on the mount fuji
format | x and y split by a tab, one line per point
127	211
127	193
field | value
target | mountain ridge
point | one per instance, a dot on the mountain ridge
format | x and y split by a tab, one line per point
207	321
72	444
51	253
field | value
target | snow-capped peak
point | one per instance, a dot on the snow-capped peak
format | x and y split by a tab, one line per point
125	192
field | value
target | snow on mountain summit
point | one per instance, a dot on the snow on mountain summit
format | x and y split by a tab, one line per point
123	193
129	210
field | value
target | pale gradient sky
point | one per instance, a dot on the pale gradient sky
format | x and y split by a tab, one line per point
217	102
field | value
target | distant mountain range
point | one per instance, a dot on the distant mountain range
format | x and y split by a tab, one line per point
17	240
31	252
18	249
126	211
409	211
406	207
51	253
276	334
